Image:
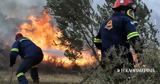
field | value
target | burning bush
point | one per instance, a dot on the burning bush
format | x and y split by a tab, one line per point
47	36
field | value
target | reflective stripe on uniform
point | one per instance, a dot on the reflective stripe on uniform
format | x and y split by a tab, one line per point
15	49
22	40
132	34
96	40
35	66
20	74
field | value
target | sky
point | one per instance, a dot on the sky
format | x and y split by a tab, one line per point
154	5
99	1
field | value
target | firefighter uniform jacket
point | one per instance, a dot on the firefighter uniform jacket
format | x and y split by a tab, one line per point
25	48
117	30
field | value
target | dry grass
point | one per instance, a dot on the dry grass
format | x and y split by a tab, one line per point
44	78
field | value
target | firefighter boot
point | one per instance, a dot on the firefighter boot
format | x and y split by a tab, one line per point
22	79
34	75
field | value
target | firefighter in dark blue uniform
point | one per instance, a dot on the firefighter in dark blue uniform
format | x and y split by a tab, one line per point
31	55
119	32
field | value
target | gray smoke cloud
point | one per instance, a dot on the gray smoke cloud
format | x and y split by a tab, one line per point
15	12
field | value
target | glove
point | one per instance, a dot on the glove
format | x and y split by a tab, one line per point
97	42
13	56
11	64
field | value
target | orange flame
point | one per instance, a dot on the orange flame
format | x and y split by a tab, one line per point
46	35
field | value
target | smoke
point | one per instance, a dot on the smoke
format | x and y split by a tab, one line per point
15	12
55	52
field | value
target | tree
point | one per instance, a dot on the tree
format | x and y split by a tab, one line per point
74	19
146	28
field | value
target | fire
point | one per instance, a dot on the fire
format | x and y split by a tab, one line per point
46	35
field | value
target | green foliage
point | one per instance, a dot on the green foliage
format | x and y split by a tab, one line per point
108	77
75	19
145	27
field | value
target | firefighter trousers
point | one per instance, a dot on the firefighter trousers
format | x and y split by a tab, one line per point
29	63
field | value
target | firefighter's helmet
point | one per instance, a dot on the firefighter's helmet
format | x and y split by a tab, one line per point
18	35
124	3
128	5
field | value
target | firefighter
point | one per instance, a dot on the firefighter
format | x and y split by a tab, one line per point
31	55
119	32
